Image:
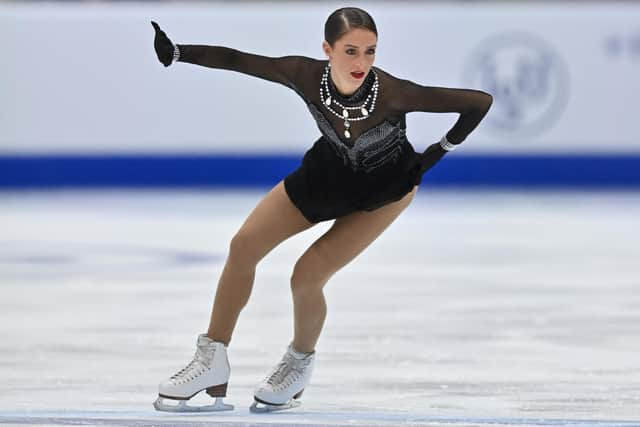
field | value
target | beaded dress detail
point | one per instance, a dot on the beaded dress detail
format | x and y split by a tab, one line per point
373	148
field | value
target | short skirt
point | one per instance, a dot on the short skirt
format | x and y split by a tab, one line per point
324	188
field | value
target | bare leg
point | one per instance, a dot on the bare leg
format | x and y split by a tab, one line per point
272	221
347	237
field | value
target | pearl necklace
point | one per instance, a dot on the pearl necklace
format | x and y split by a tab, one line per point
373	95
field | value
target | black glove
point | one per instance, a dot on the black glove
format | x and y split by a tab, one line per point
162	44
428	158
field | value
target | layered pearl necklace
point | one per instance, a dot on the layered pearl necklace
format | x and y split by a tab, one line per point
328	100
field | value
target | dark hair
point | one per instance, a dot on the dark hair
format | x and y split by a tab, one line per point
344	19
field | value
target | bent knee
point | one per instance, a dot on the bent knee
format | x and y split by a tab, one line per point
311	271
243	248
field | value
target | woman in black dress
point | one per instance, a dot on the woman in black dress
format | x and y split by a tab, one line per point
361	172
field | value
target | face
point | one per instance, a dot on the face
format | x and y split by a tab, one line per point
351	57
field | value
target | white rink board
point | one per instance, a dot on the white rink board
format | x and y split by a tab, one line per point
83	76
472	309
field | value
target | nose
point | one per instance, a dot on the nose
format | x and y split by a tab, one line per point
362	63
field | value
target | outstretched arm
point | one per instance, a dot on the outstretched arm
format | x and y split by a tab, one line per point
282	70
472	105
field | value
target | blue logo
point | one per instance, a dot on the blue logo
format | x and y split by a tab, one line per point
527	78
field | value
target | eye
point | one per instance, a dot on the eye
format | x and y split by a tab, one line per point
371	52
350	51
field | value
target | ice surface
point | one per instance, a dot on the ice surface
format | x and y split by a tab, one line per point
473	308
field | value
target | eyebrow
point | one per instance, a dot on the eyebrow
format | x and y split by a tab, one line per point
373	45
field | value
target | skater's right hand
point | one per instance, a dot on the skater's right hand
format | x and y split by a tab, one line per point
162	44
428	159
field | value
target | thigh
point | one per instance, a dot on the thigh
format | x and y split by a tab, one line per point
351	234
274	219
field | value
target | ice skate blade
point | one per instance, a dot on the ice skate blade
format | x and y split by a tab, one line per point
261	407
182	406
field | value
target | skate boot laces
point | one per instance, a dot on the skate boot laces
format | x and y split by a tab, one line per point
287	372
200	363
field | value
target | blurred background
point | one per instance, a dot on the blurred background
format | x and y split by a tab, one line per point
506	294
85	102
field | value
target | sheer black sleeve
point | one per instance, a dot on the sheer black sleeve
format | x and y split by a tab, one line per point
472	105
285	70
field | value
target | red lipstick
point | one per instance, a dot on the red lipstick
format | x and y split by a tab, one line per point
358	75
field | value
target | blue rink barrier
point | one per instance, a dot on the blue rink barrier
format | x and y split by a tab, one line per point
127	171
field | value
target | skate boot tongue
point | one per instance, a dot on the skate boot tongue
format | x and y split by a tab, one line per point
298	355
204	340
206	348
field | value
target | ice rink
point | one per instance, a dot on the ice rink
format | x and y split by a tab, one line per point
474	308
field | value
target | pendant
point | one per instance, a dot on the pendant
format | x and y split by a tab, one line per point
347	124
327	101
345	113
364	111
347	134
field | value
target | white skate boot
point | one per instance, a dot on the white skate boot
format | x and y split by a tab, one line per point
208	370
285	384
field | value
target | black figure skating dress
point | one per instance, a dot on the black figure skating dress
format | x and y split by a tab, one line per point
376	164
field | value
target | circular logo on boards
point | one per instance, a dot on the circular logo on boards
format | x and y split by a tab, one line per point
527	78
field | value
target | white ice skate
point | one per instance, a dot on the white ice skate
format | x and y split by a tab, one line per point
209	370
285	384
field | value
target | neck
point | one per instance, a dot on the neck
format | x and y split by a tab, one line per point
342	89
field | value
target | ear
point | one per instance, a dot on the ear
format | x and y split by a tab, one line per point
326	47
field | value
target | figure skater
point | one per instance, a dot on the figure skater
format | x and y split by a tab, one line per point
361	172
